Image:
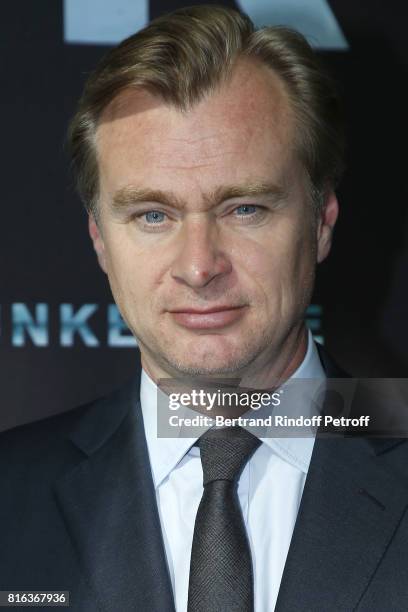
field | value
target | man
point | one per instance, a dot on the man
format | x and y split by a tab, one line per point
207	155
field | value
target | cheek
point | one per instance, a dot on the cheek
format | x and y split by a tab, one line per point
276	253
279	266
134	274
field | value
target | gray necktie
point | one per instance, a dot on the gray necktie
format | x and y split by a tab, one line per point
221	578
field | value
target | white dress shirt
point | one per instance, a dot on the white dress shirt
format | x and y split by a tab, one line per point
269	489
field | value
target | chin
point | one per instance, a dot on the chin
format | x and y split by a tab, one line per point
209	361
198	370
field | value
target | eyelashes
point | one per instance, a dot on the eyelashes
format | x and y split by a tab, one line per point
158	220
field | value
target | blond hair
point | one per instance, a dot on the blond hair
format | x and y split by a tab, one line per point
185	55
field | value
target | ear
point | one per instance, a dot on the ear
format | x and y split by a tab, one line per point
327	221
98	244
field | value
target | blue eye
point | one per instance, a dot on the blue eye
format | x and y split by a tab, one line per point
246	209
154	216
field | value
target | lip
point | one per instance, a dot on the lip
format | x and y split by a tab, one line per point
209	318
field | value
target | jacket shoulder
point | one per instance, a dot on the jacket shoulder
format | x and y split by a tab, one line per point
49	437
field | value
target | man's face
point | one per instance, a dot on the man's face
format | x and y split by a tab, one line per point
205	229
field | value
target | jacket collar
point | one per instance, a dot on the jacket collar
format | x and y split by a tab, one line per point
354	498
109	507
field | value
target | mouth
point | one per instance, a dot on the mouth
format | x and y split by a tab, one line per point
209	318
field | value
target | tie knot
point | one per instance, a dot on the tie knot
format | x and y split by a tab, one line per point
224	452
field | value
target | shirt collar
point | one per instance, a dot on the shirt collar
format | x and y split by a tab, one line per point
166	453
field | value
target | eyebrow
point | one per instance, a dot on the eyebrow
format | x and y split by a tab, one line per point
131	195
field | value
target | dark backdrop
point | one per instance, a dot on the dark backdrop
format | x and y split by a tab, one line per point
361	297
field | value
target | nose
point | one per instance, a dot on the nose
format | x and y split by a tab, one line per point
200	258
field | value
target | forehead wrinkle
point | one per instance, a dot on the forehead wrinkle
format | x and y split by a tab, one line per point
190	166
197	152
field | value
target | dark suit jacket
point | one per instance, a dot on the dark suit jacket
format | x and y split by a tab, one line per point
78	512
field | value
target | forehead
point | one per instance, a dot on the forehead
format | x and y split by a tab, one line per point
248	119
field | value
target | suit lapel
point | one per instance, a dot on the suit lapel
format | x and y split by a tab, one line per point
108	503
351	506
